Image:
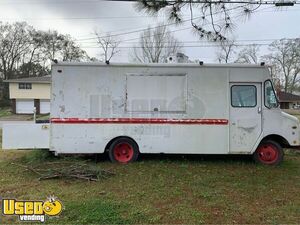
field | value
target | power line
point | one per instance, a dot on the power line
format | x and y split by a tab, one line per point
215	44
140	30
261	11
86	18
185	46
169	24
197	46
132	32
186	28
49	2
109	17
276	3
200	41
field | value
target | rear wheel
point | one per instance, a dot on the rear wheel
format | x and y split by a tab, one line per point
269	153
123	150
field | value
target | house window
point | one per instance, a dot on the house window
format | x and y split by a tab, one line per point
25	86
243	96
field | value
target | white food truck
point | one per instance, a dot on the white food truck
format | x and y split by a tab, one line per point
128	109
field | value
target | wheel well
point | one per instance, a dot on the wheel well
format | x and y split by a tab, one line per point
277	138
112	140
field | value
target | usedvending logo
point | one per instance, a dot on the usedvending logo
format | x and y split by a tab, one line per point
32	210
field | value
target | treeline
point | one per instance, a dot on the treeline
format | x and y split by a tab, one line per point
283	57
26	51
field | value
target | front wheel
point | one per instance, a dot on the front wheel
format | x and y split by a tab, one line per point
269	153
123	150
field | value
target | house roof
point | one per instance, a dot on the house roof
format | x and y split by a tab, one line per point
288	97
44	79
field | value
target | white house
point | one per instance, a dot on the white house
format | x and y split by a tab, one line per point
29	93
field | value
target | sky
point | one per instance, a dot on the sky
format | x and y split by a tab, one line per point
80	18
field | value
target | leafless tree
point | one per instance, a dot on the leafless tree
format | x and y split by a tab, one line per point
249	54
210	19
25	51
58	46
156	45
226	51
109	45
14	43
70	51
285	60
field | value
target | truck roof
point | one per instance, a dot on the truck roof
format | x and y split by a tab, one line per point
228	65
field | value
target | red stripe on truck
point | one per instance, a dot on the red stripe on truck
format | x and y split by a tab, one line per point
140	121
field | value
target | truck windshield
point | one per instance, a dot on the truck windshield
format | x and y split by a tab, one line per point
270	96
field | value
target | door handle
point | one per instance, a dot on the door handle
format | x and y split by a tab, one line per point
259	110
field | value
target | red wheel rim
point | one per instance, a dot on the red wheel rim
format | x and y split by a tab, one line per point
123	152
268	154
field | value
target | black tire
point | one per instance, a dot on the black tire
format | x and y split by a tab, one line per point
123	150
269	153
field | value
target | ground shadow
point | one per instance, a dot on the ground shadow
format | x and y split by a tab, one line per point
98	158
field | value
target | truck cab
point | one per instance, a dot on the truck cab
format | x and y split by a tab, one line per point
280	129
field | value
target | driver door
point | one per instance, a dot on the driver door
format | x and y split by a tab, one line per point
245	116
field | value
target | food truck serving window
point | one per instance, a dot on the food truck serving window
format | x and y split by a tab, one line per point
270	96
243	96
156	93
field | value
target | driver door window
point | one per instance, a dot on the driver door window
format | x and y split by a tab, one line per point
243	96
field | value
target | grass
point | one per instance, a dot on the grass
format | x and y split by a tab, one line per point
5	111
6	114
43	117
163	189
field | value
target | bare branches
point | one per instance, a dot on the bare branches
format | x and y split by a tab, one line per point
70	51
68	171
108	44
249	54
227	49
285	58
156	45
25	51
14	44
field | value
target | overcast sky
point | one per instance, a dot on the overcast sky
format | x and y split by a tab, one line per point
80	18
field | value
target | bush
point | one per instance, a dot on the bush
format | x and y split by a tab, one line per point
5	103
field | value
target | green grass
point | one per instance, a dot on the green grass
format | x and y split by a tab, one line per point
5	111
6	114
43	117
163	189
